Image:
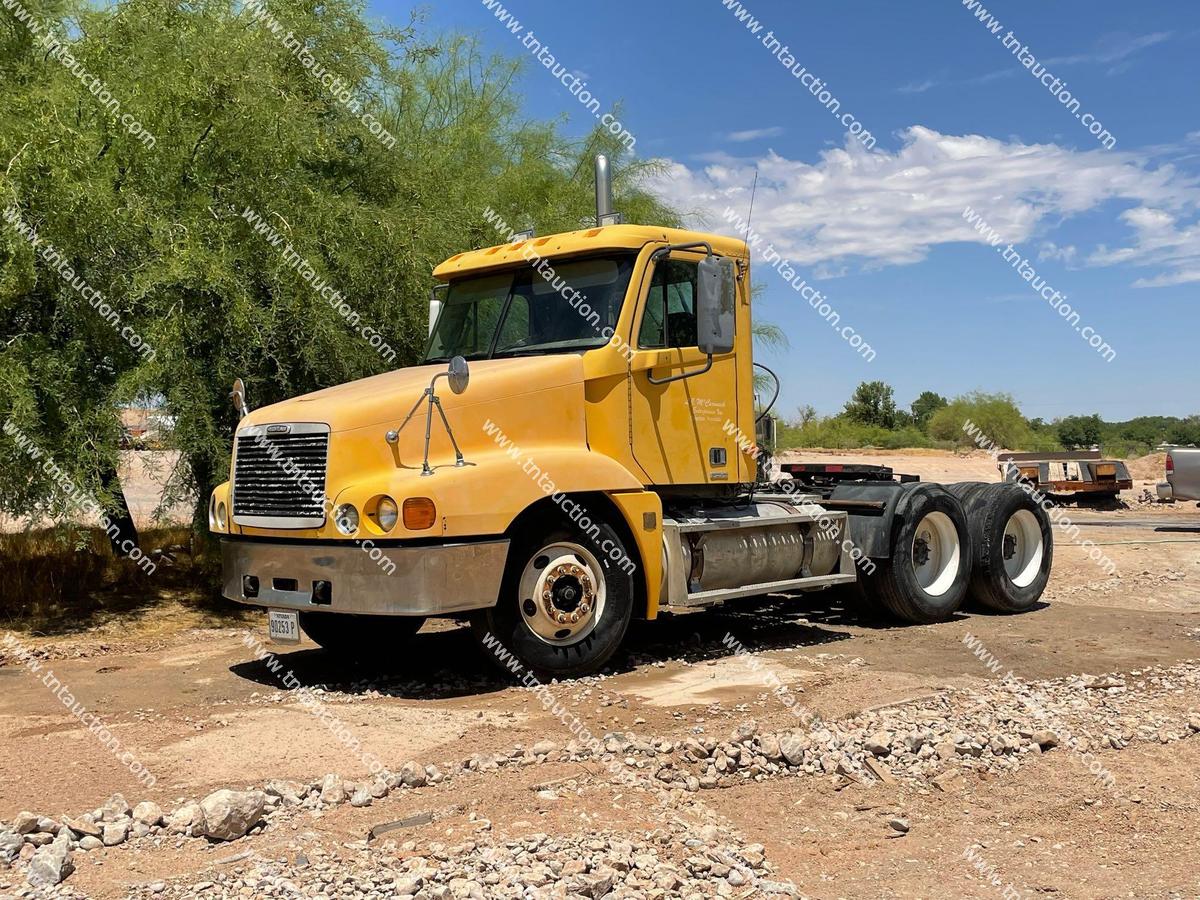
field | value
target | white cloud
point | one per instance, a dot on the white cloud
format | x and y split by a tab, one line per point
1051	250
877	208
1113	48
755	134
916	87
1160	239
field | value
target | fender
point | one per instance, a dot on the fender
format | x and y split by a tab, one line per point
871	531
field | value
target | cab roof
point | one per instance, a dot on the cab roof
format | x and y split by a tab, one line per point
610	237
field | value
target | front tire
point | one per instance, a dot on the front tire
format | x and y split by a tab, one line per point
925	578
565	603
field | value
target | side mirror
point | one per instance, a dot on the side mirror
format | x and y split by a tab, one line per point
437	297
459	375
715	305
238	396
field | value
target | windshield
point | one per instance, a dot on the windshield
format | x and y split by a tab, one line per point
570	306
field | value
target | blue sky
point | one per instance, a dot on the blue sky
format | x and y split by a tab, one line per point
957	121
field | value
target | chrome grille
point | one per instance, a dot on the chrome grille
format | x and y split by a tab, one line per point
279	475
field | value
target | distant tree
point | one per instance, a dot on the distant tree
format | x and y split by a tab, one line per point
1080	431
1186	432
873	403
995	417
805	414
925	406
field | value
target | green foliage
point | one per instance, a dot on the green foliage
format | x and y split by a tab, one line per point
240	124
841	433
995	415
923	408
873	403
1079	432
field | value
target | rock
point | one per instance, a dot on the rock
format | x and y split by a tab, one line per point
46	825
333	791
114	808
880	743
413	775
543	748
228	815
83	825
1045	739
25	823
947	781
116	832
148	813
51	864
379	788
361	798
188	819
90	843
139	830
38	839
899	825
769	745
10	846
793	747
879	770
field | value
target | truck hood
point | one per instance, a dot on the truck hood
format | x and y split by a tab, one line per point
387	398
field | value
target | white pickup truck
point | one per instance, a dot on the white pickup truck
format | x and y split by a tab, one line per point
1183	475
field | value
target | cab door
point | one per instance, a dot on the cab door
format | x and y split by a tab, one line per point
683	431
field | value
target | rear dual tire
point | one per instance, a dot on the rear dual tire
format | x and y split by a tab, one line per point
925	577
1012	545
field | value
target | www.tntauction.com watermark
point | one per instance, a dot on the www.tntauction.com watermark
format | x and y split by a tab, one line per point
815	85
1053	510
90	720
1056	726
573	296
293	260
814	297
569	79
338	88
305	483
613	763
55	48
311	701
577	513
991	875
1057	88
76	497
54	258
1029	273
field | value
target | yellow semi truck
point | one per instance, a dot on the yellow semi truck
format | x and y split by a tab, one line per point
579	448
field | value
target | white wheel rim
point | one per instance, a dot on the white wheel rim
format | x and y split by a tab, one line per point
1022	548
935	553
562	593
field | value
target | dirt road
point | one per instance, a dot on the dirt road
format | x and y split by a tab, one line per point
919	778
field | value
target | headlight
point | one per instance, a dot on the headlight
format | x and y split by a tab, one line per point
346	518
212	512
222	516
388	512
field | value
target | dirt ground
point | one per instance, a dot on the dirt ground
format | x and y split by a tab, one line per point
202	713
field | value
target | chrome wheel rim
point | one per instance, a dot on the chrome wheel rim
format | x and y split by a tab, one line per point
562	593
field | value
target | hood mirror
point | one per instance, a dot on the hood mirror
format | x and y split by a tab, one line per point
459	374
238	396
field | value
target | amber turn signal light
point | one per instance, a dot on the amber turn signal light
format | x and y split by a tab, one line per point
419	513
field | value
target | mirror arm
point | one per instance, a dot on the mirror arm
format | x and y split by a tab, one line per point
681	375
670	248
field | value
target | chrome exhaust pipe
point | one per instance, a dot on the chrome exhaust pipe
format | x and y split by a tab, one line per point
604	196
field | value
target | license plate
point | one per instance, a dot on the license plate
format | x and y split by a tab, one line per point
284	626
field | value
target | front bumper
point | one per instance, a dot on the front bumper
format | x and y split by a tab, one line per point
381	581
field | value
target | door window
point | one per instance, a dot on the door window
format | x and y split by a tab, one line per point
670	316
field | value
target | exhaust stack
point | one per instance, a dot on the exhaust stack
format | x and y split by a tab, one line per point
604	196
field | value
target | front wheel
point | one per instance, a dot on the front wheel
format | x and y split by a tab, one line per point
565	603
